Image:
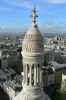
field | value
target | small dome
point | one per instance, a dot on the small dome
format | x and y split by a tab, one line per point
33	41
54	47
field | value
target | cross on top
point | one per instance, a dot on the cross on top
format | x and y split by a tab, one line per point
34	16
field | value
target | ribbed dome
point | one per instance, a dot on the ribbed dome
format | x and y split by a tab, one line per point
33	40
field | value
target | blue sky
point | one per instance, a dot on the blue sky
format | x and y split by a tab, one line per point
15	15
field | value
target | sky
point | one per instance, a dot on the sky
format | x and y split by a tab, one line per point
15	15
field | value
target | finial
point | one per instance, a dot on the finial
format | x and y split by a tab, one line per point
34	16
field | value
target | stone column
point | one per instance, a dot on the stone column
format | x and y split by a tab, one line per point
26	74
30	75
24	67
35	75
40	76
22	73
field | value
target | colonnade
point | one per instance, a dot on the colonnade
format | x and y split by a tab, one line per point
32	74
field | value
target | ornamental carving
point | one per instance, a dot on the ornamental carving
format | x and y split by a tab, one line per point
35	59
33	37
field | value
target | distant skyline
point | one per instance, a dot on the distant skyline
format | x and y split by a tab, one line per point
15	15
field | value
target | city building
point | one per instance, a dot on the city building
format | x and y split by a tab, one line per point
6	74
48	76
3	60
13	86
63	83
58	70
54	50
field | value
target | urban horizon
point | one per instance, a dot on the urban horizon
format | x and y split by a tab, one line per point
15	15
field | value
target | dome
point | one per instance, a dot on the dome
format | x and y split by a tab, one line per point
33	40
54	47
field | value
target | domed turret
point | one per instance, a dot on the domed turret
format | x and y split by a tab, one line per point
32	52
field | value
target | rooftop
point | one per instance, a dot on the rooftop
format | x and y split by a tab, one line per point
47	70
15	84
56	65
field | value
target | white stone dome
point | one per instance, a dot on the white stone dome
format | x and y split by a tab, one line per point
33	41
54	47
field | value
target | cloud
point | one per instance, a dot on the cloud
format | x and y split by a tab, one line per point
2	9
51	27
46	27
18	3
57	1
6	5
11	30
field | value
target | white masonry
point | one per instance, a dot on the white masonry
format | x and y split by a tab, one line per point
32	52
